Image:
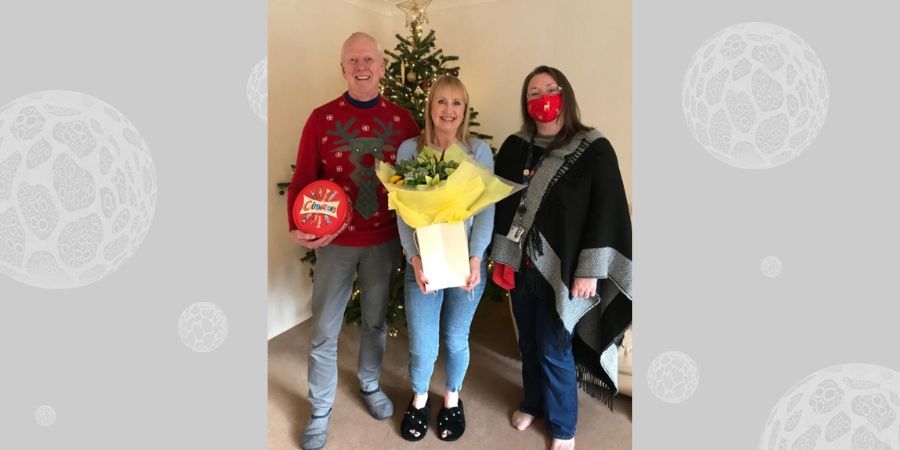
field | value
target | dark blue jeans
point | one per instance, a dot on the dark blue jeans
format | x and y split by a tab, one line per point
548	367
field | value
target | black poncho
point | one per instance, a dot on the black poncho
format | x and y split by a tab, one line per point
576	224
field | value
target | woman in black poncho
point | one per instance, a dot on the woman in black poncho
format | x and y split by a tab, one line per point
563	248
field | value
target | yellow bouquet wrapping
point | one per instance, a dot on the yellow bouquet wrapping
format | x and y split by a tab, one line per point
438	208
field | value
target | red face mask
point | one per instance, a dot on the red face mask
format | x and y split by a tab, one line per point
546	108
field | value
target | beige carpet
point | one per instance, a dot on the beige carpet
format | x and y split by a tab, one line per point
492	390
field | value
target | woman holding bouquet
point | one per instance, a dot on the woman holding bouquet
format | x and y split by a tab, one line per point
446	314
562	246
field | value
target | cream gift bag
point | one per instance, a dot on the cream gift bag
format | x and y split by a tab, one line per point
444	249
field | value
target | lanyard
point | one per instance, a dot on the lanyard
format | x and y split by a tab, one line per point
528	173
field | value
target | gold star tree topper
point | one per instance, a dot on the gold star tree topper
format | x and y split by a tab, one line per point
415	11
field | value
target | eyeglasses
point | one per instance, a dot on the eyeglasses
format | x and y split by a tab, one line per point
536	93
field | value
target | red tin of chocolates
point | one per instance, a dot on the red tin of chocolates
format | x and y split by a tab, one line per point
321	208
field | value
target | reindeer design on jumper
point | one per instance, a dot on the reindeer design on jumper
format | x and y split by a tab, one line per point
364	153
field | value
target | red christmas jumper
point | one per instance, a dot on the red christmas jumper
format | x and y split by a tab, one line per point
341	142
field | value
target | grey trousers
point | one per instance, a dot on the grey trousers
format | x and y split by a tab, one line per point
332	284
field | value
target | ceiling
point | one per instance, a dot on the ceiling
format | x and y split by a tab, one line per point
389	7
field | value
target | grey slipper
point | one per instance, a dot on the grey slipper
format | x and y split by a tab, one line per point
316	432
380	405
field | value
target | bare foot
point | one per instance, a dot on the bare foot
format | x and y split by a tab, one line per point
451	399
419	400
521	420
560	444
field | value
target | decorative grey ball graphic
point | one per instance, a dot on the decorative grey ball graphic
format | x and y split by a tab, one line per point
673	377
77	189
203	327
850	406
45	415
258	89
755	95
771	266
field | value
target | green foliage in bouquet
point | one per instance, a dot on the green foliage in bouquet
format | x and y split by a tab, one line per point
426	170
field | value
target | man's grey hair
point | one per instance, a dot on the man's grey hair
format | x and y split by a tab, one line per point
361	35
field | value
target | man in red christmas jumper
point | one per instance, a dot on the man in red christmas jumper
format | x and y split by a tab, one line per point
342	141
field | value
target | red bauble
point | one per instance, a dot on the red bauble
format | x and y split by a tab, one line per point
321	208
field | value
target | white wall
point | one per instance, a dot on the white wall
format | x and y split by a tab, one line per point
589	40
498	44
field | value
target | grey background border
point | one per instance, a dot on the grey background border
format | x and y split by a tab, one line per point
107	357
702	227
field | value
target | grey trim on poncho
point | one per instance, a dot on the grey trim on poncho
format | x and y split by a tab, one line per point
601	263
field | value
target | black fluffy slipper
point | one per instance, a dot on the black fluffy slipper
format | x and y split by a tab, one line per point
451	423
415	421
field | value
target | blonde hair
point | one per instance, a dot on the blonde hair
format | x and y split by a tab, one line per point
455	85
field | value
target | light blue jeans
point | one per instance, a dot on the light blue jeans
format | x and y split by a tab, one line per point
446	313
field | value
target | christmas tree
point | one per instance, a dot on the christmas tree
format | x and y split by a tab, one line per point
415	64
